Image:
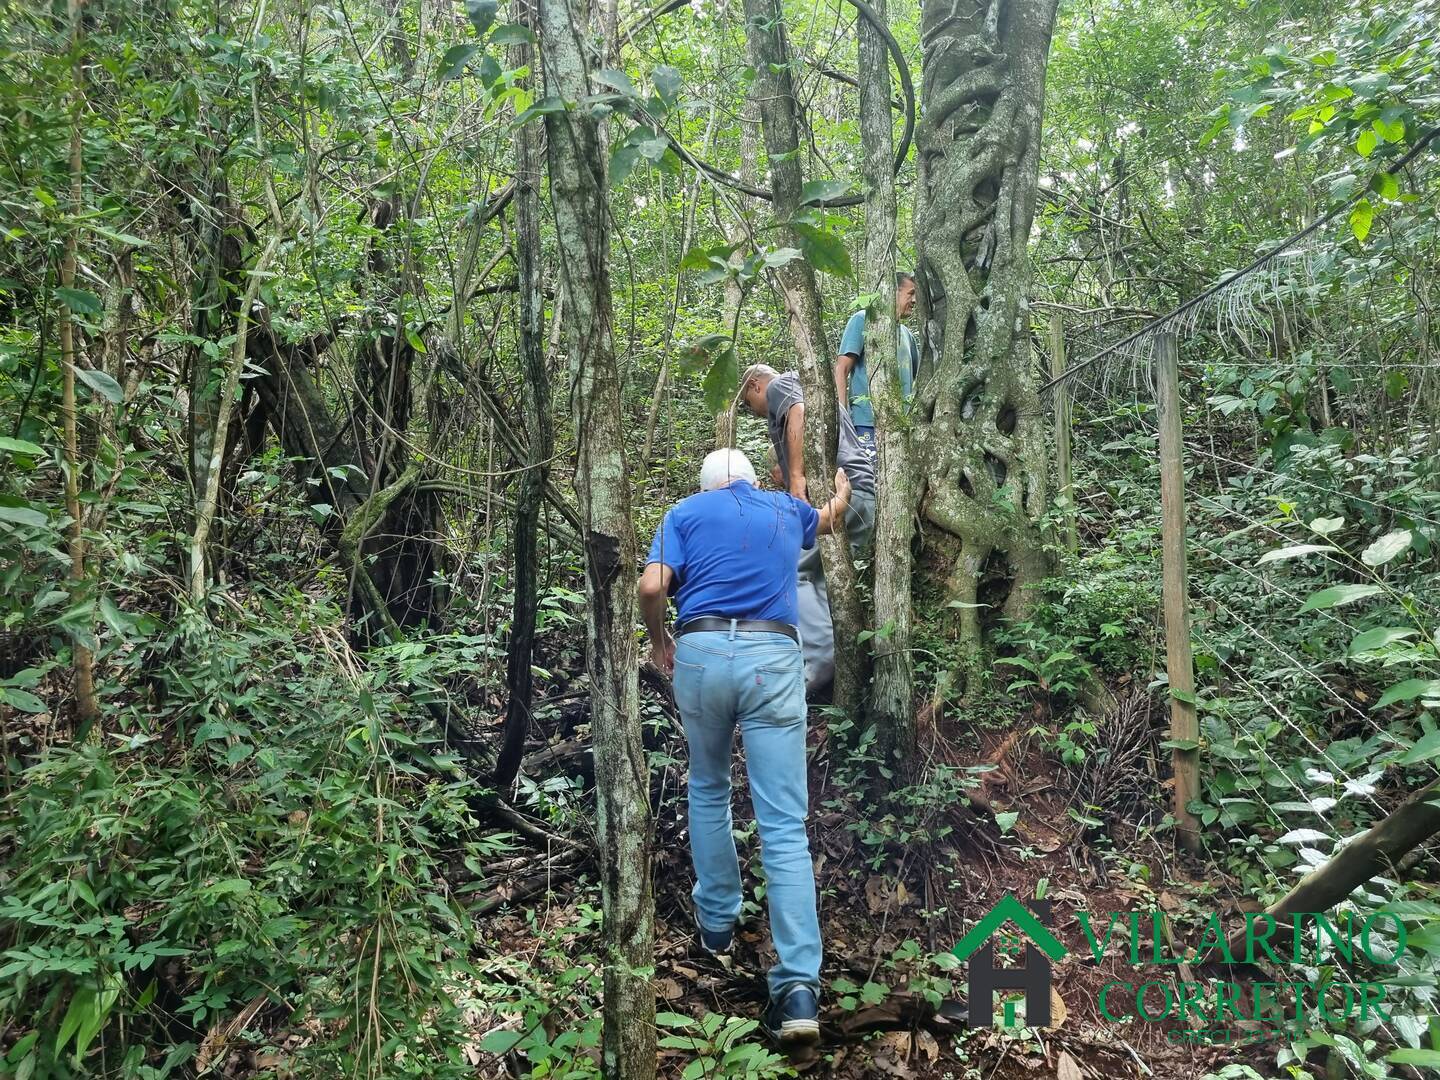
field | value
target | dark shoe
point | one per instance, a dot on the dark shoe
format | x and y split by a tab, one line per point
713	942
793	1019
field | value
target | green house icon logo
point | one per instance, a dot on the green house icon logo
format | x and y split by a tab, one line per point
1033	977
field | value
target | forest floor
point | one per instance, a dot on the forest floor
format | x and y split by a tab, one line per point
888	906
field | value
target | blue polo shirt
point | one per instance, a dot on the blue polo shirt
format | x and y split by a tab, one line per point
734	551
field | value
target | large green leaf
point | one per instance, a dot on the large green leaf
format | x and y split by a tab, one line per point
1426	748
1378	638
721	381
817	191
1414	1056
1293	552
101	383
1387	547
1339	596
20	446
481	14
455	59
824	251
22	515
1409	690
78	300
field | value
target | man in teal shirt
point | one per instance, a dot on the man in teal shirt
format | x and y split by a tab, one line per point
852	382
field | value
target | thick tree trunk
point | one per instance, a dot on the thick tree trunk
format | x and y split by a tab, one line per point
892	691
774	92
535	394
577	160
980	430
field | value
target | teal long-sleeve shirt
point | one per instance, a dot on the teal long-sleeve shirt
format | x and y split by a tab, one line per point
852	341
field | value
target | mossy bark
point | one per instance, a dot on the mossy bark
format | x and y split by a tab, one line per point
774	93
892	689
576	155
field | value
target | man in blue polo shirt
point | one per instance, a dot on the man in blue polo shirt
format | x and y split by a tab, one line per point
852	380
728	555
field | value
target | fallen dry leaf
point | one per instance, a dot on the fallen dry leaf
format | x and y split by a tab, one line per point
668	989
1067	1069
927	1045
1058	1011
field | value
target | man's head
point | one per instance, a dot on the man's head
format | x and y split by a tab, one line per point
752	387
721	468
904	294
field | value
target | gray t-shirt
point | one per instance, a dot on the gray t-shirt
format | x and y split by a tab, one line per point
783	393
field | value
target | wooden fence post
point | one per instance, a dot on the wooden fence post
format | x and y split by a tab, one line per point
1184	724
1062	428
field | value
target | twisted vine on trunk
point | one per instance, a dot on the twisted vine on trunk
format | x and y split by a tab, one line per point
980	430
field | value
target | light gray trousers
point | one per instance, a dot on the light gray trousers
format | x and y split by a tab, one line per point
817	634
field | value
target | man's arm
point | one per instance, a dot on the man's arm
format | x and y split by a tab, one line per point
844	365
795	448
654	588
834	510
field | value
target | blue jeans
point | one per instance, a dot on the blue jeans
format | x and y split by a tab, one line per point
756	681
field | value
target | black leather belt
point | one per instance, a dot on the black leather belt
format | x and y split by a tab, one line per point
714	622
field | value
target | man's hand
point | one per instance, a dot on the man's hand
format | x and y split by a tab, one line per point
662	652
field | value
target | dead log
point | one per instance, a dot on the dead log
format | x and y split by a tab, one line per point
1377	850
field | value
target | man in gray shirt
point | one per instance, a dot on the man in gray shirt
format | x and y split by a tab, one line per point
778	398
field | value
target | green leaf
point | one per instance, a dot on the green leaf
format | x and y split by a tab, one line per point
78	300
1409	690
1365	145
667	83
782	257
1414	1056
1361	218
1007	820
824	251
413	337
1294	552
617	80
22	515
513	34
22	700
544	107
1387	547
455	59
21	446
721	381
500	1042
1386	186
1392	131
1326	526
623	160
101	383
815	192
673	1020
1339	596
481	14
1423	750
1378	638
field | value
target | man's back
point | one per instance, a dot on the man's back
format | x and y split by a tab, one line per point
733	552
781	396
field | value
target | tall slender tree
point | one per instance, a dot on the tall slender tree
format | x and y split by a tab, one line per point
576	156
892	689
774	93
980	431
535	395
